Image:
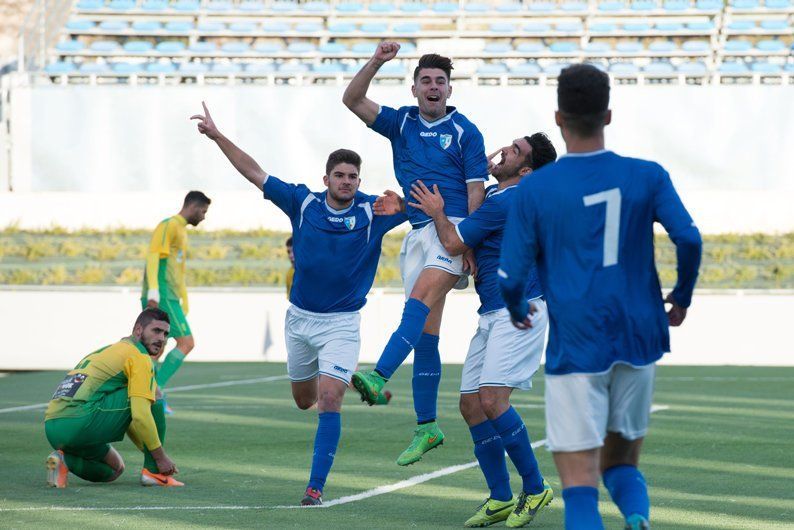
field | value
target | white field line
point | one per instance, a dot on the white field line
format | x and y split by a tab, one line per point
174	389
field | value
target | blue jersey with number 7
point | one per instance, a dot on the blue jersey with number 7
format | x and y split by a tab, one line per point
586	222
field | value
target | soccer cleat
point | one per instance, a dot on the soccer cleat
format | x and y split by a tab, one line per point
426	437
156	479
490	512
384	398
637	522
57	472
369	385
313	497
166	408
528	506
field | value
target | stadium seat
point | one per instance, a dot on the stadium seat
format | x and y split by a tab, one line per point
658	67
364	48
114	25
569	27
293	68
789	67
708	5
160	68
662	46
445	7
407	47
775	25
382	7
138	46
502	27
497	47
127	68
330	67
526	69
624	69
154	5
733	67
60	67
554	69
491	69
178	26
315	7
242	27
331	48
741	25
746	4
350	7
193	68
377	28
186	6
771	45
276	27
235	47
218	6
260	68
301	47
308	27
407	27
340	28
146	26
121	5
413	7
738	46
610	6
509	7
676	5
643	5
69	46
283	7
203	47
211	27
629	47
170	46
668	27
763	67
692	68
268	48
94	68
542	7
603	27
392	68
777	4
573	7
700	26
563	47
537	27
226	68
531	47
639	27
105	46
476	7
597	47
695	46
88	5
251	7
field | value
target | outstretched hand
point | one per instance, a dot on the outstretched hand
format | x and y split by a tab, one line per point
677	314
386	51
430	202
390	203
205	125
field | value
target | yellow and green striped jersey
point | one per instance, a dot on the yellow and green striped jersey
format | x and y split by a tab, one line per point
290	277
125	364
166	260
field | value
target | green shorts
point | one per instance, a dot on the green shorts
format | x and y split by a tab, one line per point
179	325
89	436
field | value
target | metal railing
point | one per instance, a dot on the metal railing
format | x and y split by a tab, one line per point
39	32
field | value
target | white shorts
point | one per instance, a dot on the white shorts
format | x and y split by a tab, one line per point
502	355
582	408
421	249
321	343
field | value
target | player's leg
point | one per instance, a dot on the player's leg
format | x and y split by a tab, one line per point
302	363
577	408
631	395
180	330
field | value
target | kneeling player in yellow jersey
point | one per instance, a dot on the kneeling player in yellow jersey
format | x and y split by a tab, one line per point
110	392
164	284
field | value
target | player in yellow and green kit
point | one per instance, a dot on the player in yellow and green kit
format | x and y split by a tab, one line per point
111	392
164	279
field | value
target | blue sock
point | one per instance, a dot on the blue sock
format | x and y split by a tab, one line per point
514	435
490	454
627	487
325	441
404	339
427	376
581	508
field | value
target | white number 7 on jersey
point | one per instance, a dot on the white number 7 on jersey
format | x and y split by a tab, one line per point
612	224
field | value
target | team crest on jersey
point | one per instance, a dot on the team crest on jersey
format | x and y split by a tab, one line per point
350	222
446	140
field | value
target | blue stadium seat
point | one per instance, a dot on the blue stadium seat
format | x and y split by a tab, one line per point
741	25
283	7
211	27
569	27
624	69
226	68
203	47
330	67
643	5
531	47
445	7
193	68
638	27
146	26
315	7
242	27
69	46
603	27
610	6
700	26
260	68
114	25
476	7
413	7
235	47
276	27
573	7
330	48
709	5
491	69
537	27
105	46
178	26
406	48
251	7
170	46
733	67
497	47
407	27
127	68
80	25
771	45
121	5
308	27
526	69
350	7
341	28
777	4
509	7
676	5
138	46
554	69
629	47
789	67
293	68
736	45
268	48
763	67
658	67
218	6
542	7
662	46
597	47
774	25
89	5
695	46
374	27
301	47
382	7
692	68
186	6
502	27
60	67
668	27
563	47
94	68
154	6
364	48
160	68
392	68
746	4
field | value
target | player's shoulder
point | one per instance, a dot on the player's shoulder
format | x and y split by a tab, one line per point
640	164
363	199
460	119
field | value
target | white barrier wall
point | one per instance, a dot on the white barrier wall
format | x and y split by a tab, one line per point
53	329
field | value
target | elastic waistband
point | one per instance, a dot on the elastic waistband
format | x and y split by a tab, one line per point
302	312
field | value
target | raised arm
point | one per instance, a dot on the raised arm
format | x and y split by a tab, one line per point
432	203
241	161
355	97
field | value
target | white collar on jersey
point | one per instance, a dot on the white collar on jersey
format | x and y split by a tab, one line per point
497	191
431	124
581	155
339	212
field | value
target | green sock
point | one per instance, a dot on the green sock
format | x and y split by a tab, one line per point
158	412
89	470
169	367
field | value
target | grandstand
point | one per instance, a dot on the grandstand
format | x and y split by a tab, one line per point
315	42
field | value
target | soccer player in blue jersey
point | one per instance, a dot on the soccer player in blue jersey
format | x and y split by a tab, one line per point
501	358
337	244
586	223
435	143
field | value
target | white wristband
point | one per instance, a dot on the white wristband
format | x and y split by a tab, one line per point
154	295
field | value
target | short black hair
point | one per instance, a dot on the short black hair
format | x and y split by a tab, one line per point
342	156
543	150
193	197
288	242
150	314
583	98
433	60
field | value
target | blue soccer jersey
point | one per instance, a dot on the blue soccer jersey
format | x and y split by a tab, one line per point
587	222
482	231
448	152
336	252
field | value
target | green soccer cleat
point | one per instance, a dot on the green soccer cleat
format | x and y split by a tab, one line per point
637	522
369	385
490	512
528	506
383	398
426	437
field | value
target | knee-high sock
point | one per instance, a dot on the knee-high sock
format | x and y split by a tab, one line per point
427	376
404	339
326	440
628	489
515	438
581	508
90	470
169	366
490	454
158	413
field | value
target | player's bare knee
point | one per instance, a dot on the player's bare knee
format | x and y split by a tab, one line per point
117	472
305	402
492	403
471	410
330	401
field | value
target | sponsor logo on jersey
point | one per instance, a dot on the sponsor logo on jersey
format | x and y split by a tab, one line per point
350	222
426	134
446	140
444	259
336	219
